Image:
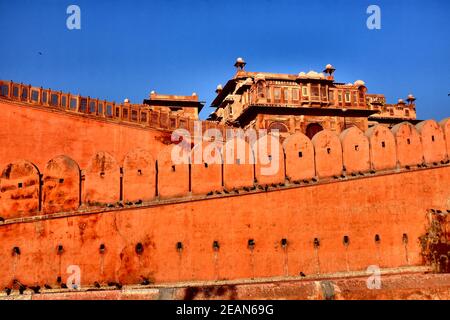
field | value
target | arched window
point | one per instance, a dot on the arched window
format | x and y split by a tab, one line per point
312	129
281	127
361	94
260	88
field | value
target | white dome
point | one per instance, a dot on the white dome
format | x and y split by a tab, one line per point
259	77
219	87
315	75
359	83
311	75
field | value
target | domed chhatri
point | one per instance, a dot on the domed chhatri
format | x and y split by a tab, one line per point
240	63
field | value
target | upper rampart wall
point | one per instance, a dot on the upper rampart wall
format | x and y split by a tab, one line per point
42	122
139	171
129	213
315	229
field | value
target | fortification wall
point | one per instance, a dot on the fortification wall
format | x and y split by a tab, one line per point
319	229
409	286
38	135
131	163
102	164
46	123
132	174
117	205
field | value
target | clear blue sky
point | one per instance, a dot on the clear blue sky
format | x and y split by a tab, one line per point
128	48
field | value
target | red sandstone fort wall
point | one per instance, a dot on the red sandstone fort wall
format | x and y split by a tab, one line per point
394	207
371	187
29	187
38	134
120	162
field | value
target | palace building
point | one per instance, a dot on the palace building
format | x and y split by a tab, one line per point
304	102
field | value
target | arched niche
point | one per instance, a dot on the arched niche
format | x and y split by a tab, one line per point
61	185
139	176
328	154
299	154
102	180
206	168
433	141
382	148
19	190
173	172
408	144
238	164
355	150
269	155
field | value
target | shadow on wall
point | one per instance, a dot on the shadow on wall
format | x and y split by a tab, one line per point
142	177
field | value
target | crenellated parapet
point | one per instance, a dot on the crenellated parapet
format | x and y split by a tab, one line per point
226	168
140	115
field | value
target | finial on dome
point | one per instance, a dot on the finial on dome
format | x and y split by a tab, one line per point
240	63
411	98
329	69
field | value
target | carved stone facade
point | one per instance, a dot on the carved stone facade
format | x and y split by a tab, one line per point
307	103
